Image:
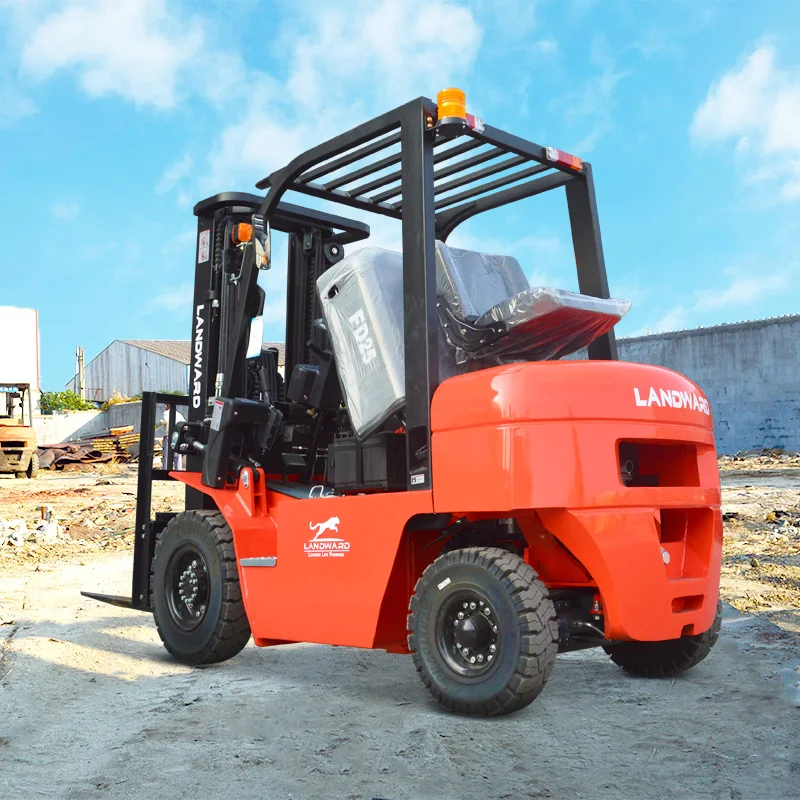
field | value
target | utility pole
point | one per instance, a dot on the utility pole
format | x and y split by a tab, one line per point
81	376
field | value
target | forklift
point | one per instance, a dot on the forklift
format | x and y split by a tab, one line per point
17	436
432	476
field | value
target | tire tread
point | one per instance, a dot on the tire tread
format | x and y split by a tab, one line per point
232	631
537	621
667	658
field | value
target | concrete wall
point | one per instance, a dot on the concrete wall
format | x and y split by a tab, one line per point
131	370
56	428
750	372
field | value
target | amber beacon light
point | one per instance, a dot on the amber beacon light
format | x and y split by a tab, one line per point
452	104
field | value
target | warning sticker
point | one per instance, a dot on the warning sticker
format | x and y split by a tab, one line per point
203	242
216	415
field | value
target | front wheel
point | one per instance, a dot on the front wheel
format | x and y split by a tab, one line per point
667	658
33	467
195	595
483	631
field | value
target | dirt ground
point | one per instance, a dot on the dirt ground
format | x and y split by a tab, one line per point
91	705
761	558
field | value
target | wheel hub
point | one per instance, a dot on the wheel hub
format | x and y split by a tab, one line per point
188	589
469	635
473	632
187	586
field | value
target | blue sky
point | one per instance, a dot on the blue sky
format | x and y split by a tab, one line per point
116	117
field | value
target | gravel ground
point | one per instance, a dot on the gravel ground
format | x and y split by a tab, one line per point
91	705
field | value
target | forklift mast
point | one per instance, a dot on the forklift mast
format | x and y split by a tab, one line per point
227	298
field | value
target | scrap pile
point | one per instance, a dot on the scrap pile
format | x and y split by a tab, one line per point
118	444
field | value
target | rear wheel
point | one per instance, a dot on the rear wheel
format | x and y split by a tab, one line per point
667	658
195	594
33	467
483	632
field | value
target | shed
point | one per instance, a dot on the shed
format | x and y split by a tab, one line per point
133	366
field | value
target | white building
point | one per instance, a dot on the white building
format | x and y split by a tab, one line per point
133	366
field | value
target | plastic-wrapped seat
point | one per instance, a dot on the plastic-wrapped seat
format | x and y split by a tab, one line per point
489	311
362	301
488	314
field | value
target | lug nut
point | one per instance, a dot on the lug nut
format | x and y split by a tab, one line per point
480	657
194	564
489	658
461	615
472	606
465	651
466	605
487	611
472	659
492	648
494	628
458	645
480	603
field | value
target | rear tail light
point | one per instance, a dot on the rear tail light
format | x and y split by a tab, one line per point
565	159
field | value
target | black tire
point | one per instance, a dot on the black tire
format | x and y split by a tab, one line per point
33	467
667	658
195	593
525	636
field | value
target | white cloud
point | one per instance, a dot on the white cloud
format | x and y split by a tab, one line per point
174	174
132	48
592	105
500	13
757	104
747	285
260	141
674	320
66	210
383	53
546	47
176	299
14	106
743	290
180	244
393	49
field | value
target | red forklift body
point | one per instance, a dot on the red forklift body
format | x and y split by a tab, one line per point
541	451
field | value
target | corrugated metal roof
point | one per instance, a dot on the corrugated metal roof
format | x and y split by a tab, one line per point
169	348
179	350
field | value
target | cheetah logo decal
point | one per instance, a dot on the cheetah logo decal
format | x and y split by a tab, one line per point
322	546
331	524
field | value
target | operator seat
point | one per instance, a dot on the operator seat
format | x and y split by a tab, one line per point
488	314
489	311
